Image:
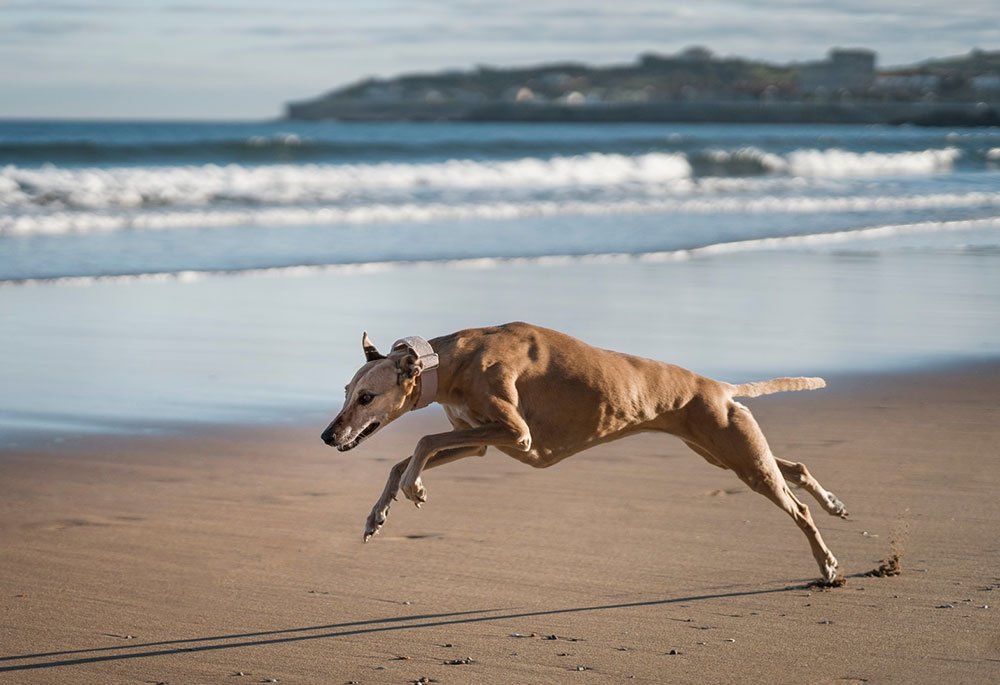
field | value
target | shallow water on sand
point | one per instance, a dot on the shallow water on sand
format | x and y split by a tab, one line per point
114	356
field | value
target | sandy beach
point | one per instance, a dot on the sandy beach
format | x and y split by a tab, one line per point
185	278
235	555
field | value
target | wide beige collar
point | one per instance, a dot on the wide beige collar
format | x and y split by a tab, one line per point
428	360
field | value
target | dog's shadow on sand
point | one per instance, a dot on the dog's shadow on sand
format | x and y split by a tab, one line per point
76	657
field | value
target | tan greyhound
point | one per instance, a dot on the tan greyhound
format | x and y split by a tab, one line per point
540	396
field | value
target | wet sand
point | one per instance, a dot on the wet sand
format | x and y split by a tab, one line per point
235	556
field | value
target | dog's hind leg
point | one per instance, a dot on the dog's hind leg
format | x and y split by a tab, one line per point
734	438
777	491
376	519
797	474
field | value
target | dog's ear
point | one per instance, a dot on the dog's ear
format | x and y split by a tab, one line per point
409	365
371	354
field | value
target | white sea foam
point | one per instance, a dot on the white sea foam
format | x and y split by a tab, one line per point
993	153
816	241
290	139
839	163
90	188
832	238
112	220
54	189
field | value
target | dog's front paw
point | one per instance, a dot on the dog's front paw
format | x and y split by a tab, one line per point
375	520
414	491
835	506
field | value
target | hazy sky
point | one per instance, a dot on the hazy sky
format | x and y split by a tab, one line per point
245	58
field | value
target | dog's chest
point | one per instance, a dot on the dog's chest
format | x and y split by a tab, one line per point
460	415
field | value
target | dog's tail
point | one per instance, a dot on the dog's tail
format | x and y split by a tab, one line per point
777	385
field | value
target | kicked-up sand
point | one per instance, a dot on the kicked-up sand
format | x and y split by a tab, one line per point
235	556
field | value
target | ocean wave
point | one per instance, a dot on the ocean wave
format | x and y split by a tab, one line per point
814	241
739	162
65	188
88	188
55	223
838	163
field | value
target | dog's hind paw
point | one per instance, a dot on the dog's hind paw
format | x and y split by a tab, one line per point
831	572
832	577
822	584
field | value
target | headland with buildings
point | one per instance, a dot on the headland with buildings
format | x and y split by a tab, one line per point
692	86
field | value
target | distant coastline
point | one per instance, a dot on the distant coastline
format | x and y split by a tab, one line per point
692	87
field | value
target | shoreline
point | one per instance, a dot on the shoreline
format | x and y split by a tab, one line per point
280	420
195	558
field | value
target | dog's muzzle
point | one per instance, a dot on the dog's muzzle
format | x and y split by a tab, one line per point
329	439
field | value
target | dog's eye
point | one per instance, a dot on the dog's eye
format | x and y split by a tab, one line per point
365	398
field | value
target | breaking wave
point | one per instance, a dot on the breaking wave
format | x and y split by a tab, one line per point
836	163
90	188
67	188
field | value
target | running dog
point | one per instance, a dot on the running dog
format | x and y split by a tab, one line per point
540	396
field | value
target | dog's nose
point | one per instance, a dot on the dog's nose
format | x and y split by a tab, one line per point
327	435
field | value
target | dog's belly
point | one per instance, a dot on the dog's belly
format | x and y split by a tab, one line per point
538	456
544	453
556	436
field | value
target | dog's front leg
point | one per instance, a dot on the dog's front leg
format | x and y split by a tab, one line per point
498	434
376	519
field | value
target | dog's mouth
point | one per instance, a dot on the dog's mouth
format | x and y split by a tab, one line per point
365	432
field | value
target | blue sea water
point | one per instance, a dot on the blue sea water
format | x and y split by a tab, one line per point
220	271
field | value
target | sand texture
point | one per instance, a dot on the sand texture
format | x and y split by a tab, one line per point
236	557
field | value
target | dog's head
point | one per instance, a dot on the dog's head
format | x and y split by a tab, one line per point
381	391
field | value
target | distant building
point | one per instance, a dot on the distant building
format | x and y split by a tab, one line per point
574	98
524	94
850	70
